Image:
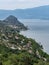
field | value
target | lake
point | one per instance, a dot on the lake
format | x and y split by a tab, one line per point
38	30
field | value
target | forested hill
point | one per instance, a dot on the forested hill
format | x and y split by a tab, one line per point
16	49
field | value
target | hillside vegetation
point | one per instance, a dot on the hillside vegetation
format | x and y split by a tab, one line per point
16	49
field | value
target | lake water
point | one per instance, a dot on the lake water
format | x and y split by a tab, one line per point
38	30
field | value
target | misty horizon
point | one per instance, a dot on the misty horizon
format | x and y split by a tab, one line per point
21	4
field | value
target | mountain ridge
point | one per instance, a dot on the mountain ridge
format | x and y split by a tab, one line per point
41	12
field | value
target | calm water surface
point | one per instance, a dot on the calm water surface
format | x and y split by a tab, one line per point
38	30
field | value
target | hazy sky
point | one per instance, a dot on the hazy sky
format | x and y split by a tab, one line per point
19	4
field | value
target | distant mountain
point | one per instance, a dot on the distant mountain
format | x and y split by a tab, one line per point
13	20
41	12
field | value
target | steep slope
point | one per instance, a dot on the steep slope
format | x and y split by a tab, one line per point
15	49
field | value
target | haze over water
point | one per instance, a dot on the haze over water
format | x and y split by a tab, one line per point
38	30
